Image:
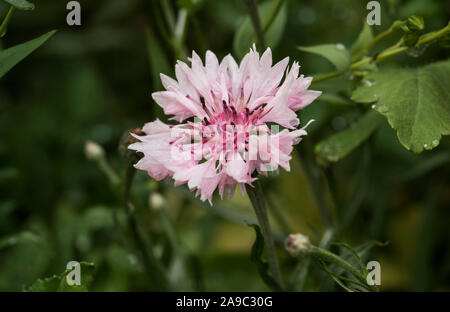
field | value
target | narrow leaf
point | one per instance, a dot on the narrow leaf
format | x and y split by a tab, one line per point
10	57
337	54
245	36
341	144
358	48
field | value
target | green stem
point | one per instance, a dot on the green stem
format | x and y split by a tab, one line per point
396	25
180	34
6	21
328	256
333	187
300	274
254	16
391	51
105	167
256	196
151	265
278	216
315	180
168	14
427	38
272	15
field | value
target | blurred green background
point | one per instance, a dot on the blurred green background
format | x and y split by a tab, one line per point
94	81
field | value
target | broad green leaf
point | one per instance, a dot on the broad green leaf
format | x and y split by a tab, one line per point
342	143
414	100
245	36
262	265
358	48
337	54
21	4
10	57
58	283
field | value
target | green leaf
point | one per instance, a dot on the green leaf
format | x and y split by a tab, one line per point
10	57
21	4
245	36
262	265
358	48
340	144
414	100
337	54
354	253
57	283
335	277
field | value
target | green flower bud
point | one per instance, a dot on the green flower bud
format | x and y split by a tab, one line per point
415	23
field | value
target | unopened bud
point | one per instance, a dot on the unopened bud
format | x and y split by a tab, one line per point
156	201
297	244
415	23
93	150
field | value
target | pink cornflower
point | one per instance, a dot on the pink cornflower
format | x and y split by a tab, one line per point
222	112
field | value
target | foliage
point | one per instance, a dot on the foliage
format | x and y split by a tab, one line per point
354	179
415	102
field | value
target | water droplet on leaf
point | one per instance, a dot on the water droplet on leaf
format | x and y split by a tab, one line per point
340	46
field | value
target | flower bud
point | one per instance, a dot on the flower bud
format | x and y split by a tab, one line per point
415	23
93	150
297	244
156	201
